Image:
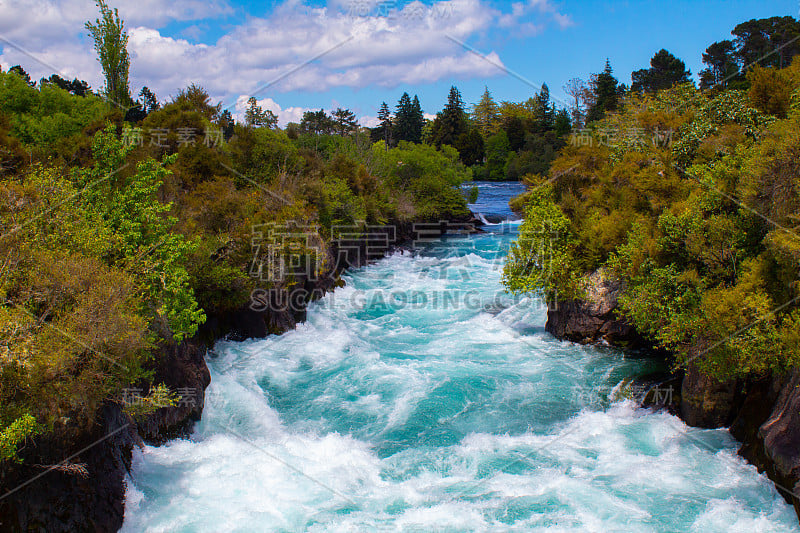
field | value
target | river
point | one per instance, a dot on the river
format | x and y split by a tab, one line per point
421	397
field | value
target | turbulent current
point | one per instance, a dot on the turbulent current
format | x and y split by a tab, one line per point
421	397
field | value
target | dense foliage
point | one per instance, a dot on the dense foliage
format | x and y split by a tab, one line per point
694	206
122	231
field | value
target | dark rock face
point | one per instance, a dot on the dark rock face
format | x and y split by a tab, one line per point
781	437
769	427
593	319
706	402
183	369
86	492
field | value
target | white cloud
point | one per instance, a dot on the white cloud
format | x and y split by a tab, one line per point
542	13
295	48
290	114
48	36
369	121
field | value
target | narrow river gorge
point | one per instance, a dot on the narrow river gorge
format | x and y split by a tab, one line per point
422	397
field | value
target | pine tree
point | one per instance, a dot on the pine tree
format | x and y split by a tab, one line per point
256	117
455	105
606	91
544	113
417	120
149	100
665	71
484	114
451	122
385	116
404	119
226	124
19	71
721	65
344	121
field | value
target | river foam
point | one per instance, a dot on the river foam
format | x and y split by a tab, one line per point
434	418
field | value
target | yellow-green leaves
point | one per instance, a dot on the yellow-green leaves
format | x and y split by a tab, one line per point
542	259
14	434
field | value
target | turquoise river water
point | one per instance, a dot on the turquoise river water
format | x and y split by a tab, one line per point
421	397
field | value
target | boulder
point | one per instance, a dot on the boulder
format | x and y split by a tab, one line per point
594	318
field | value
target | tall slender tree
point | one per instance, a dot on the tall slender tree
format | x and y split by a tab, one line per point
484	114
111	45
451	121
226	124
544	112
417	120
385	116
404	119
577	89
606	93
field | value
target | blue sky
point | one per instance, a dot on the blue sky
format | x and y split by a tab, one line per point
370	50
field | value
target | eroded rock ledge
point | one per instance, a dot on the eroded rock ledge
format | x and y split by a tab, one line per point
763	414
593	319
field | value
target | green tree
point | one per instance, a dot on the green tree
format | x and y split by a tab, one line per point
497	149
316	122
76	87
485	114
606	92
111	44
515	132
721	65
19	71
451	122
404	119
385	118
195	98
471	147
417	120
344	121
432	177
147	246
771	42
226	124
543	112
562	124
257	117
542	261
149	100
665	71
